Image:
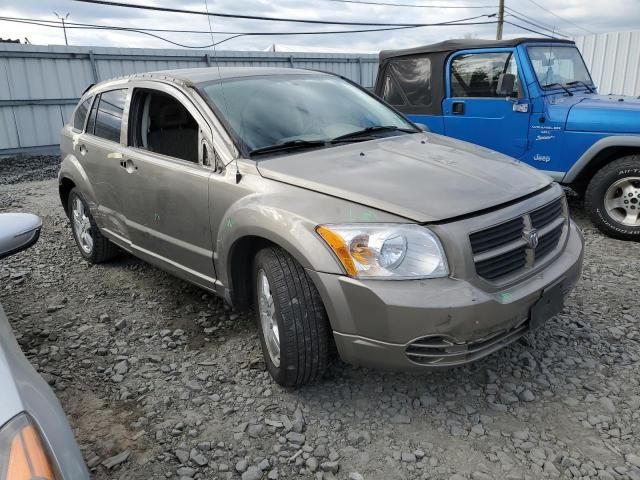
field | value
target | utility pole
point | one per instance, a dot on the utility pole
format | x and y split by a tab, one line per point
500	20
64	28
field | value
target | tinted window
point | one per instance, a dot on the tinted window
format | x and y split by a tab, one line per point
91	123
81	114
161	124
414	79
270	110
391	92
477	75
109	115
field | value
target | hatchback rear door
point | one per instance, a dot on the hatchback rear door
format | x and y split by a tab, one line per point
99	148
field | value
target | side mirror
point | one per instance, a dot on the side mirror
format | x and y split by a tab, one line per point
18	231
506	84
422	127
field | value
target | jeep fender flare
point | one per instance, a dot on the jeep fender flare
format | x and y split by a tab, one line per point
593	151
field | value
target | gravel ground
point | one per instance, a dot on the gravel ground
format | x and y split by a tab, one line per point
28	168
160	380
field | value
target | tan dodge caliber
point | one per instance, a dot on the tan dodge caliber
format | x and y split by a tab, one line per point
304	197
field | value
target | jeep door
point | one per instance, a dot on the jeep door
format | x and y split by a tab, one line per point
98	147
167	200
476	108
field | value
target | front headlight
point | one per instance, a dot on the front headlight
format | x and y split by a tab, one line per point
387	251
22	453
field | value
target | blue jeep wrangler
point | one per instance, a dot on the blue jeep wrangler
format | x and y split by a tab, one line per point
532	99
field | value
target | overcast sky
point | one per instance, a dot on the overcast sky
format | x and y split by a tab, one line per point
580	17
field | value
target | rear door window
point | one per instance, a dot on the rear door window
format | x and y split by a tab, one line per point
108	119
476	75
91	122
81	114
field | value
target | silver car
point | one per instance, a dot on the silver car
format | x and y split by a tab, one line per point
305	197
36	441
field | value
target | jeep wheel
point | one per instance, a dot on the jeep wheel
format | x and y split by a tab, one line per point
291	319
613	198
92	245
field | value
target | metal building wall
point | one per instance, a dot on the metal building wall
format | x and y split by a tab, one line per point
614	61
40	85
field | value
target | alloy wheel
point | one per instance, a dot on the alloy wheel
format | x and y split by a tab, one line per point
82	225
268	322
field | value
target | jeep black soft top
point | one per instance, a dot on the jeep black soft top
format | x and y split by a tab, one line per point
449	46
438	54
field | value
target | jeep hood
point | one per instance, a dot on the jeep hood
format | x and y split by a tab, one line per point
605	114
422	177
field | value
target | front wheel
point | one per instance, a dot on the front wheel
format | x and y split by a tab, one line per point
291	320
612	199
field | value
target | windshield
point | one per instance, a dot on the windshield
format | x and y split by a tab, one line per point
559	65
274	109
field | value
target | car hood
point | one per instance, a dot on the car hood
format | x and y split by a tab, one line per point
422	177
605	113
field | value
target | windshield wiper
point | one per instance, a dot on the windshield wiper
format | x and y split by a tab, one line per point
580	82
365	132
288	145
555	84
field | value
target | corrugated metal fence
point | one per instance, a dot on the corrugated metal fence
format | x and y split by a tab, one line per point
614	61
40	85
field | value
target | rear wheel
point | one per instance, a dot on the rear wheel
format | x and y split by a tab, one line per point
291	320
92	244
613	198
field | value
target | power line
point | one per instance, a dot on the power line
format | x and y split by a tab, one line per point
50	24
250	17
529	29
92	26
532	21
385	4
537	25
561	18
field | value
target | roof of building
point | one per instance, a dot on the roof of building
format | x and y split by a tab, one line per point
466	44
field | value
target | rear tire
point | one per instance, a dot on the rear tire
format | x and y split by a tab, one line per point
93	246
291	320
612	199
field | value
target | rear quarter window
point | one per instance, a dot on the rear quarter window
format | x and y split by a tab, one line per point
414	79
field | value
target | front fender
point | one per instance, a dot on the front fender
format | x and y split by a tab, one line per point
290	230
595	149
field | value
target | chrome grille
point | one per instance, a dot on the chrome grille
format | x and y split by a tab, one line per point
506	249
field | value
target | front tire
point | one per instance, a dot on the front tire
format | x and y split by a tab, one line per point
612	199
291	320
93	246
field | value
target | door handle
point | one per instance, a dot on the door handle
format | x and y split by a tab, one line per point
82	148
458	108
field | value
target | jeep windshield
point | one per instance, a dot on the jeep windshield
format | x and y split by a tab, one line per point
559	67
275	114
